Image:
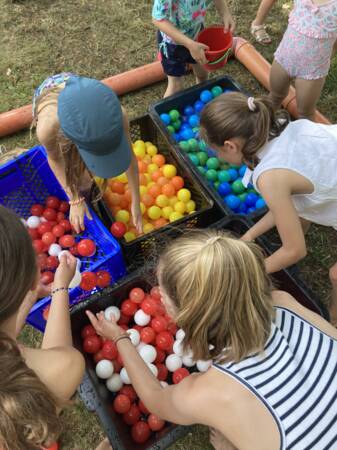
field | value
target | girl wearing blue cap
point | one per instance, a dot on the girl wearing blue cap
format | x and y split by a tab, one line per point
85	131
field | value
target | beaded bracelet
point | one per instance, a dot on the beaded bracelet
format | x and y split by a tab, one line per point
58	290
122	336
76	202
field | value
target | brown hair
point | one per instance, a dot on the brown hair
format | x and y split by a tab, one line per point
228	116
221	291
28	416
18	267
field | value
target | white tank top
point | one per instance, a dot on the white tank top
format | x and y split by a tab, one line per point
309	149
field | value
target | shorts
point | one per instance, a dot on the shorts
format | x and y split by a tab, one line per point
302	56
174	58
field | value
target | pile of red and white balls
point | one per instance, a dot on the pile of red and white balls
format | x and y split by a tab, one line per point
52	235
159	343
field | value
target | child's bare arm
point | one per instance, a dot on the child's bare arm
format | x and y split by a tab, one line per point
225	14
262	226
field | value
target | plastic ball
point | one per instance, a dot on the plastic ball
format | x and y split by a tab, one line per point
148	353
134	336
170	129
174	114
166	211
224	189
129	236
154	212
176	137
184	195
54	250
193	144
161	201
206	96
202	170
169	170
173	362
76	281
188	361
242	170
198	106
187	134
176	124
175	215
124	376
242	209
122	216
251	199
104	369
251	209
112	311
233	174
180	207
184	146
213	163
232	201
216	90
202	157
153	369
194	158
243	196
203	366
114	383
33	221
188	110
223	176
194	120
191	206
141	318
178	348
260	203
202	145
238	187
211	175
180	334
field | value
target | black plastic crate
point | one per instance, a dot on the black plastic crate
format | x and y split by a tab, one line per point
188	97
208	211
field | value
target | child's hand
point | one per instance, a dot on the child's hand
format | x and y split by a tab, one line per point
103	327
248	237
65	271
76	216
229	24
137	216
197	51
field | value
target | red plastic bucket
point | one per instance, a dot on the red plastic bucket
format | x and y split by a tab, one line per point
219	43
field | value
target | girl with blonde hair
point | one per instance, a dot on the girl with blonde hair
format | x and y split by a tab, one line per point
274	362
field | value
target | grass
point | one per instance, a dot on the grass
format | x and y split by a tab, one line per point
100	38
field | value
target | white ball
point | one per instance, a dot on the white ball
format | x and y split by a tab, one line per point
141	318
55	250
62	252
148	353
114	383
163	384
33	221
124	376
134	336
140	346
178	348
104	369
188	362
76	281
24	222
180	334
112	310
173	362
153	369
78	264
43	219
203	366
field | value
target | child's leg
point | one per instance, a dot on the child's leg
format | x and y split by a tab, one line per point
200	73
333	305
174	85
257	27
308	93
279	84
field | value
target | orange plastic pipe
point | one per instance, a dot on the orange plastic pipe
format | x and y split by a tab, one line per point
260	68
17	119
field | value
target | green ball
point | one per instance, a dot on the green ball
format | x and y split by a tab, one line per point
203	157
184	146
194	158
243	196
195	129
193	145
202	145
217	184
223	176
176	124
238	187
216	90
170	129
233	166
202	170
252	190
213	163
212	175
174	114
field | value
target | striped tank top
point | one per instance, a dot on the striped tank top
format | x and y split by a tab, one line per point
296	379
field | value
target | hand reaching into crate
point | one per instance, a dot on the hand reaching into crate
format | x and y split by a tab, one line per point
76	215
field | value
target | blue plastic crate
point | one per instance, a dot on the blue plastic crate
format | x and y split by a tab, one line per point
28	180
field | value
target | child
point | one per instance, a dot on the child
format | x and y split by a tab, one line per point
304	54
179	23
295	172
274	361
83	128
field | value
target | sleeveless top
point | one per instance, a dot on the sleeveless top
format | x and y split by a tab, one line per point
309	149
295	377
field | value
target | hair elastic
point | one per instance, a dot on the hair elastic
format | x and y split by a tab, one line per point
251	104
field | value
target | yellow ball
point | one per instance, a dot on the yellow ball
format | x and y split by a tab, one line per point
152	168
151	150
99	181
139	143
154	212
129	236
150	183
148	144
142	207
190	206
122	216
147	159
175	216
166	211
148	227
142	190
148	177
122	178
191	212
184	195
162	201
139	150
173	200
169	170
180	207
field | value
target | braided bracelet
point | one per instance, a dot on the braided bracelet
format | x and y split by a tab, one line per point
76	202
122	336
58	290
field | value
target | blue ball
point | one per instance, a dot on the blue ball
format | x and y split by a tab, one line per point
226	91
177	137
242	170
194	120
211	153
233	174
185	126
198	106
251	199
260	203
165	118
186	134
251	210
232	201
242	209
224	189
188	110
206	96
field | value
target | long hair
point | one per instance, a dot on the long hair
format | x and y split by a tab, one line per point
221	293
28	410
228	116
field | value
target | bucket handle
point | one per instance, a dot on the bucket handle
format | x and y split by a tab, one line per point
224	56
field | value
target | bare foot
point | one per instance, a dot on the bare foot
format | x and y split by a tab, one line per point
333	305
104	445
219	441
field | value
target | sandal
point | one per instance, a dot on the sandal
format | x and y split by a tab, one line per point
260	34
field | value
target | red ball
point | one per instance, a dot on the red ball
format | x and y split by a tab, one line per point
64	207
60	216
44	227
52	202
52	262
164	340
159	324
155	422
58	230
140	432
33	233
128	307
92	344
124	319
160	311
73	250
67	241
36	210
103	278
86	247
47	277
117	367
42	261
179	375
129	392
88	330
162	372
65	224
172	328
98	356
39	246
155	293
143	408
109	350
137	295
49	214
88	281
161	355
48	238
122	404
132	416
147	335
118	229
149	306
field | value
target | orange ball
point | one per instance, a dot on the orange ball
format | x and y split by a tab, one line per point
127	195
162	180
115	209
142	179
156	175
123	202
159	160
148	200
117	187
161	222
154	190
142	166
113	199
168	190
178	182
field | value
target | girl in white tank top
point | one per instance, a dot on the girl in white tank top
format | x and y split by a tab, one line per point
293	166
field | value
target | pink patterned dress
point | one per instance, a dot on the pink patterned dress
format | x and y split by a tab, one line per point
305	50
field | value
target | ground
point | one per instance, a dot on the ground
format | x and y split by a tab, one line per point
100	38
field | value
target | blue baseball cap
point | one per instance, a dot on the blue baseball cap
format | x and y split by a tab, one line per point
90	115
